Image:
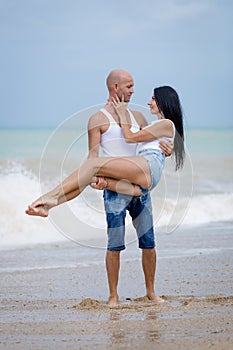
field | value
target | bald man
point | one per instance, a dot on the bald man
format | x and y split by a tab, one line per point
104	131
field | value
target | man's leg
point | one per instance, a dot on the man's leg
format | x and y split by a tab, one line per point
141	212
115	207
113	267
149	269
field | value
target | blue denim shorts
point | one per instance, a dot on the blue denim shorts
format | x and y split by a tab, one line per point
155	160
140	210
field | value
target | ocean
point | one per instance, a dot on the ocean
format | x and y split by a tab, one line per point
33	160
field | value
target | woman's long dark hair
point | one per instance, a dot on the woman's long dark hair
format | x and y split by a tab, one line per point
169	105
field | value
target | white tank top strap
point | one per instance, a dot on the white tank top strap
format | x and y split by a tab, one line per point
133	120
174	129
108	115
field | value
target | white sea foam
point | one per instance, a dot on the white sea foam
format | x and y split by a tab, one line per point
200	209
20	187
17	191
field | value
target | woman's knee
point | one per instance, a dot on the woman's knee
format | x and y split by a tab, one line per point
93	165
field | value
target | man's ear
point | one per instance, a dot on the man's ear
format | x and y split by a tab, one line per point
115	86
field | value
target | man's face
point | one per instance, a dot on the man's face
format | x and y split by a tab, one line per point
125	88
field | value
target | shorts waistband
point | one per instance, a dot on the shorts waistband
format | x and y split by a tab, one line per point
150	151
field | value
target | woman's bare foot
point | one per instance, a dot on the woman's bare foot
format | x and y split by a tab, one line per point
113	302
40	210
41	207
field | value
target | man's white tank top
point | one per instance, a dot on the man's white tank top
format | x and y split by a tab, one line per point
112	140
154	144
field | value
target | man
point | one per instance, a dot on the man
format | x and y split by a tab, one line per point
104	130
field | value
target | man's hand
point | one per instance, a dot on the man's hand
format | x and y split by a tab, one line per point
98	183
166	147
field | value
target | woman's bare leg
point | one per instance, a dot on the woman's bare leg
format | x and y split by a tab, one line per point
42	206
133	169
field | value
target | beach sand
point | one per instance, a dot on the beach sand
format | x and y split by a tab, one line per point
54	296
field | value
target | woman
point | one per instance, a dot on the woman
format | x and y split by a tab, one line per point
136	174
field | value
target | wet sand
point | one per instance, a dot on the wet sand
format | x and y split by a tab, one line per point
55	296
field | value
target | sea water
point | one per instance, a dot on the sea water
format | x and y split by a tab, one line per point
32	161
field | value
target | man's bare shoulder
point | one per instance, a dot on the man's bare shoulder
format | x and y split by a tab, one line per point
96	120
140	119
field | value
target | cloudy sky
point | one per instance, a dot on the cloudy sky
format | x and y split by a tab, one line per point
56	54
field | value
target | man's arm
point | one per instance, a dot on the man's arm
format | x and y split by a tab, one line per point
95	125
167	147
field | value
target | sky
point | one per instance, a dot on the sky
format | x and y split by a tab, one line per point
55	56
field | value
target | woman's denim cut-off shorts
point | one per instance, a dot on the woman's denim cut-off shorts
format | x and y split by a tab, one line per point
155	160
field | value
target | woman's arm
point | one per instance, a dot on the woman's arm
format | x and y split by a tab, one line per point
149	133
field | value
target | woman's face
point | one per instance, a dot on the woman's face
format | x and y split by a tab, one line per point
154	109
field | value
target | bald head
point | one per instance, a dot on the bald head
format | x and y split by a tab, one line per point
116	76
120	83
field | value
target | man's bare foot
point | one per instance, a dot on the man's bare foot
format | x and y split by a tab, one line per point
113	302
155	298
41	207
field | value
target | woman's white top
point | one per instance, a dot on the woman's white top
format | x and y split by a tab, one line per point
154	144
